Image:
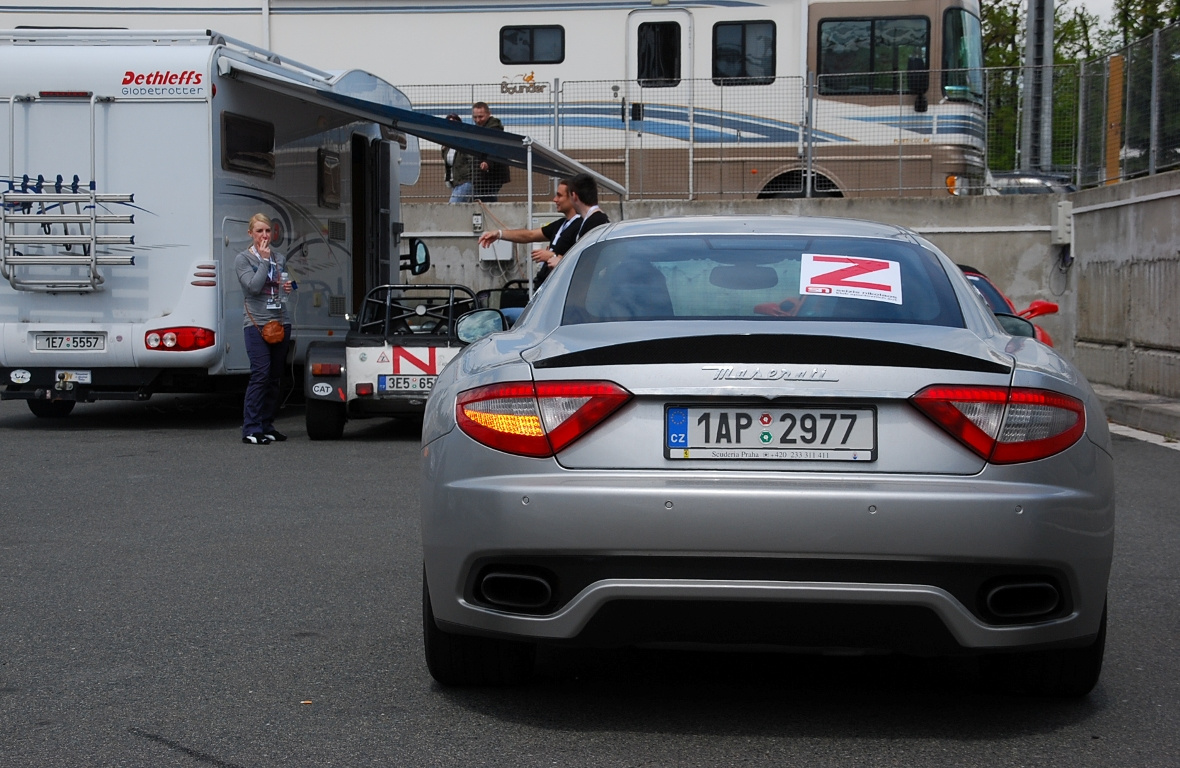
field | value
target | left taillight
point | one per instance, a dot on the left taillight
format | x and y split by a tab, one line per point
179	339
538	419
1003	425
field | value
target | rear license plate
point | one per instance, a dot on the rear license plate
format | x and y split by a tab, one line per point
791	433
387	383
71	341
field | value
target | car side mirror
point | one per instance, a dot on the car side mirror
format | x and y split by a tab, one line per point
1016	326
417	261
475	325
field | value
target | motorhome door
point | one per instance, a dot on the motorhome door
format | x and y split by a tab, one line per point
659	55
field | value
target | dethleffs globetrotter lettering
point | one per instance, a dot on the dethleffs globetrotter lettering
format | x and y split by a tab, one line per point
188	77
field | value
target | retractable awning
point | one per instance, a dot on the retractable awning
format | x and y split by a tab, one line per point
371	98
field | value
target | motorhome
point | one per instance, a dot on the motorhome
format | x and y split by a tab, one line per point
675	98
134	162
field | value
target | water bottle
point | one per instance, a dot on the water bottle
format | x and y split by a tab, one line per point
283	277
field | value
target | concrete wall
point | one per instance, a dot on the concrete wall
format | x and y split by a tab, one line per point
1005	237
1127	244
1120	311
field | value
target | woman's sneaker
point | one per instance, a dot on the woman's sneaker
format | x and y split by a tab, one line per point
256	438
274	435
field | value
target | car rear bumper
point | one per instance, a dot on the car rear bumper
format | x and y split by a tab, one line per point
764	540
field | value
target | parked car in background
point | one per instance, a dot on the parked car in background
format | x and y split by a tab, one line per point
764	431
1021	183
999	302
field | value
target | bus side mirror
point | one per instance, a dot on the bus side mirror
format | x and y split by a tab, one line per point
917	81
417	261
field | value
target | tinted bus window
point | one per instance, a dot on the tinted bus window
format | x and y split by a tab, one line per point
743	53
962	57
871	56
532	45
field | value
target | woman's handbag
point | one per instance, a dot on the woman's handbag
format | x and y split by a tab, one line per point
272	333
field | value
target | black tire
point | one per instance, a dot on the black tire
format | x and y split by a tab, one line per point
325	421
467	660
51	409
1065	672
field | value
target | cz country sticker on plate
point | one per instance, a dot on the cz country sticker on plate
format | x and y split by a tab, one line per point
784	433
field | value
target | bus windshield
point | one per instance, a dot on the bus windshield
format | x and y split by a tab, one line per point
962	56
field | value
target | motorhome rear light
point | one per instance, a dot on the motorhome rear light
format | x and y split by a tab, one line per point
180	339
1005	426
364	389
536	420
326	369
64	94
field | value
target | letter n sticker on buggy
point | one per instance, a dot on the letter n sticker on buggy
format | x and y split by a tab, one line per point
850	277
406	361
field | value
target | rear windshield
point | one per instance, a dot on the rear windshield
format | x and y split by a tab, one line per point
760	277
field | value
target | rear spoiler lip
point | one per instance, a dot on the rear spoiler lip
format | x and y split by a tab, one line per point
773	349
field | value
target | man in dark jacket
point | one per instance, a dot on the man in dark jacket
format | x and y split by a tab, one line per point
489	175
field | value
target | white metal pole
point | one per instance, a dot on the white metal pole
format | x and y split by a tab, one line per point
528	153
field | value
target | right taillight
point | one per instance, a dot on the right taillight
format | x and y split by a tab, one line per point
1002	425
536	419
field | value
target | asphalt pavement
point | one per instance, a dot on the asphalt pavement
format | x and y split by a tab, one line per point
172	597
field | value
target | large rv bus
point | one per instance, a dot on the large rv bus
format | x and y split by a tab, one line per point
134	161
676	98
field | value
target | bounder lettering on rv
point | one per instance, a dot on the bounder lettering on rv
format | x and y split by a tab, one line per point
188	77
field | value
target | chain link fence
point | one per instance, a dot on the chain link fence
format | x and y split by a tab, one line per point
707	139
1020	138
1129	122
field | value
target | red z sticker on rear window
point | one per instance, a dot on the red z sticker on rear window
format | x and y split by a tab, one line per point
850	277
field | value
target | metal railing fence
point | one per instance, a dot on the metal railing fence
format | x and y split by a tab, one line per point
701	139
1108	119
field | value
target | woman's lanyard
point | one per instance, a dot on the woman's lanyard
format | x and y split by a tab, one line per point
270	271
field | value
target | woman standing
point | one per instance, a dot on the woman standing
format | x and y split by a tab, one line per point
262	272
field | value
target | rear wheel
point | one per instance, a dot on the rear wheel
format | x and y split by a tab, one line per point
461	660
51	409
1066	672
325	421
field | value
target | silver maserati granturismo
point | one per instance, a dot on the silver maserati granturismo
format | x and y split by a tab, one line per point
765	432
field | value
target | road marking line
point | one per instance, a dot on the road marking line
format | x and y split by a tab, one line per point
1147	437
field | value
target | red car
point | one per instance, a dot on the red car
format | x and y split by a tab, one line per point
998	302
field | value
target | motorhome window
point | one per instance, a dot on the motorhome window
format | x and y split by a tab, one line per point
247	145
659	54
328	181
532	45
743	53
962	57
871	56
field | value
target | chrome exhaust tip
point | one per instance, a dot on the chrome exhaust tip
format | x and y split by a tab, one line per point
515	591
1023	600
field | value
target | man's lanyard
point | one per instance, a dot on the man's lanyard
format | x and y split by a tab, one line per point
561	229
586	218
